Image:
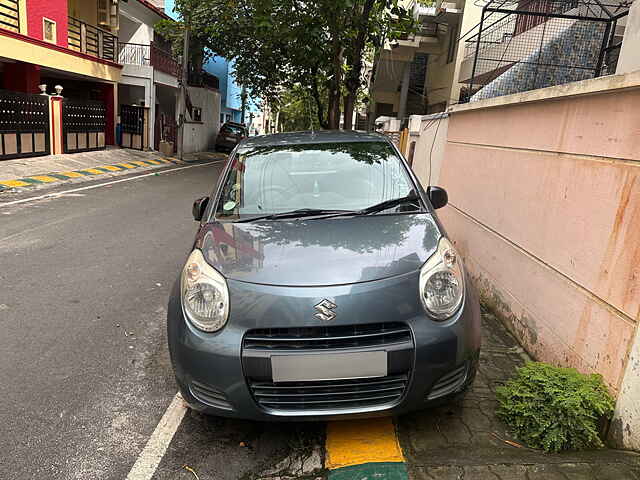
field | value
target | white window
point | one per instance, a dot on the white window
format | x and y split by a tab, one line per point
48	30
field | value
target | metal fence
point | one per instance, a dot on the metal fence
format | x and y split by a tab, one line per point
539	43
133	126
83	125
24	125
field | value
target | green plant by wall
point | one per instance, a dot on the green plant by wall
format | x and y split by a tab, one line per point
554	408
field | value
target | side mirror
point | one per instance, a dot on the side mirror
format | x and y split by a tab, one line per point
199	206
437	196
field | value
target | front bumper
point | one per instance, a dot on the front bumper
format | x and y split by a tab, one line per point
216	375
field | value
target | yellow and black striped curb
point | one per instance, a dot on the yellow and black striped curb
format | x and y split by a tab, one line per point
87	172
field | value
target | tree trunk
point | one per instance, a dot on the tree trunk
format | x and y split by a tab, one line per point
352	82
349	104
319	106
334	108
335	85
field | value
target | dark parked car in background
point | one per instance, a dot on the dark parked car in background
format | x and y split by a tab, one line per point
321	285
229	136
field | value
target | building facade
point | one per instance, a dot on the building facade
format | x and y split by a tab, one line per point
230	91
149	87
66	43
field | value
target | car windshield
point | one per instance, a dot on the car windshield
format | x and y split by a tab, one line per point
326	176
232	129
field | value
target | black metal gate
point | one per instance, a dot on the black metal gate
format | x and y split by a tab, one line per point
24	125
132	125
83	125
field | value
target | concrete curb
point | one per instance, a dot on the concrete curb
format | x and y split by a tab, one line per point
59	177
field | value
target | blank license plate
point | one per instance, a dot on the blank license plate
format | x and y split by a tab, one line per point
331	366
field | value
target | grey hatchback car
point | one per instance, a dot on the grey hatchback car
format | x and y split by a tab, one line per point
321	285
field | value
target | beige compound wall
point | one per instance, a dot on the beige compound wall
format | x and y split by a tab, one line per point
544	192
429	132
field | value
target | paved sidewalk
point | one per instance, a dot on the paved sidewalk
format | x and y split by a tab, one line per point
467	441
38	172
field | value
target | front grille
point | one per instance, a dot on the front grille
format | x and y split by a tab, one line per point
210	396
330	394
320	338
449	383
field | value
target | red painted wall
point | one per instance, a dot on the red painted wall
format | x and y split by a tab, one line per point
56	10
106	95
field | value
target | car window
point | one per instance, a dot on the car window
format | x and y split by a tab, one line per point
336	176
232	129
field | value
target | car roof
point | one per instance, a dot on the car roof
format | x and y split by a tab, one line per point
311	137
235	124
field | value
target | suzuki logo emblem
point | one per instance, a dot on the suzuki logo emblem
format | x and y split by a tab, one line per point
325	310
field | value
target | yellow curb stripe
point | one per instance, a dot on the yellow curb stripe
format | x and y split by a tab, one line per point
44	178
354	442
99	170
14	183
71	174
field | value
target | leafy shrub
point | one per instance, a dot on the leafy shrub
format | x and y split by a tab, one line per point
554	408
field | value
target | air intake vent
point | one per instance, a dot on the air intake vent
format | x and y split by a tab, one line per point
210	396
321	338
329	395
449	383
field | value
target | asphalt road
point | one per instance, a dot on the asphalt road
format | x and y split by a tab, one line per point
85	374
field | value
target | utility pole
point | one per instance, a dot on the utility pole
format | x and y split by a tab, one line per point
182	99
243	98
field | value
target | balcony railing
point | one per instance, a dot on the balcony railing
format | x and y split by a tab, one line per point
200	78
134	54
139	54
164	61
10	15
91	40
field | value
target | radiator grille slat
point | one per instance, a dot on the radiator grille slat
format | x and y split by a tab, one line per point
322	337
329	395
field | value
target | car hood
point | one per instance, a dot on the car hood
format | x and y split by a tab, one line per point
320	252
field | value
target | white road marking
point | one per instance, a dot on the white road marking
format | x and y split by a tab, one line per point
90	187
154	450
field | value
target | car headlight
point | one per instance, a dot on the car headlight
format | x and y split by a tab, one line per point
205	296
442	282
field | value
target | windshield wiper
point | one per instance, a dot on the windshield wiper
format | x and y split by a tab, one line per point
379	207
299	213
326	213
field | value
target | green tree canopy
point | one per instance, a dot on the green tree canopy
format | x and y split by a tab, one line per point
316	48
